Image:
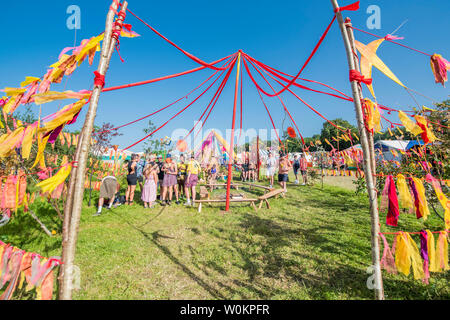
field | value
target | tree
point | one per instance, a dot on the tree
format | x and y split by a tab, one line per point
103	137
329	131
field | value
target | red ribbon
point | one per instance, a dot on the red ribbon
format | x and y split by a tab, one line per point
356	76
350	7
99	79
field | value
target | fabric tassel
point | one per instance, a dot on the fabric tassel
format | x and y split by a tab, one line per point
387	261
442	199
423	204
442	252
405	198
439	67
431	252
384	202
52	183
393	212
424	255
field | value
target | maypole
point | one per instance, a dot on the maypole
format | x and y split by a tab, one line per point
231	151
72	210
365	145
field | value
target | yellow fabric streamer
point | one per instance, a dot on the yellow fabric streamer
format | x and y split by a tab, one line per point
41	147
9	141
50	96
29	80
63	115
432	267
420	119
423	204
442	252
52	183
407	255
409	124
28	140
405	198
402	260
370	54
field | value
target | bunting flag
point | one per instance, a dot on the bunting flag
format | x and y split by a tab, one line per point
404	195
407	256
18	267
439	67
409	124
50	184
366	64
426	134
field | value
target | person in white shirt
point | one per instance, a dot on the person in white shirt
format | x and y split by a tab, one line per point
271	165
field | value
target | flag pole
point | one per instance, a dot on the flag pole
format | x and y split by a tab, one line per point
74	205
367	161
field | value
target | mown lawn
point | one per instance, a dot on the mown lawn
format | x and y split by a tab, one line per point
313	244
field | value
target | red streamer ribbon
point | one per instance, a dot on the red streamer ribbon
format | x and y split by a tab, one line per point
356	76
350	7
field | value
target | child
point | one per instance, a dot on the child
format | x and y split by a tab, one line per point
149	189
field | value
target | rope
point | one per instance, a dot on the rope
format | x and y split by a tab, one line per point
199	61
163	125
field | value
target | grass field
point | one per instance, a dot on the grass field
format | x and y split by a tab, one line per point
313	244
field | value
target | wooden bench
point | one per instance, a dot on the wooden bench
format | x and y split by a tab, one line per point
273	193
201	201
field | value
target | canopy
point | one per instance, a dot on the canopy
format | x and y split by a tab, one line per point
386	145
413	143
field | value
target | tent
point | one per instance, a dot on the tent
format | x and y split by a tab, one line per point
388	149
413	143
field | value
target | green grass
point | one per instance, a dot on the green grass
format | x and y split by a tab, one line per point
313	244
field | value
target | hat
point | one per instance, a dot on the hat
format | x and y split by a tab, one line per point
168	155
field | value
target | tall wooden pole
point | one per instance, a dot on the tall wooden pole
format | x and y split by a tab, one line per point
375	227
348	26
257	157
230	160
77	179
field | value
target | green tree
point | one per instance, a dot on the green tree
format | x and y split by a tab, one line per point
329	131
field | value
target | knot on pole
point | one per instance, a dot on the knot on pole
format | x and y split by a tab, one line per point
355	75
99	79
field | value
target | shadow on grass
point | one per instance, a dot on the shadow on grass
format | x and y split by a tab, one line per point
154	237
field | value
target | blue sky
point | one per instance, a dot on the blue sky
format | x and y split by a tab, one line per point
279	33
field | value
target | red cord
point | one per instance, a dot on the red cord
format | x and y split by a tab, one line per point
157	111
165	123
199	61
284	106
391	41
165	77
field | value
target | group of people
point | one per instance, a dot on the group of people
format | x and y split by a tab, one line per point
178	179
153	174
299	164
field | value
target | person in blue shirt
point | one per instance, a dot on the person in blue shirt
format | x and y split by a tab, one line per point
140	165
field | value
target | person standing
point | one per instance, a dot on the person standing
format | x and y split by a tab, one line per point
169	181
283	170
192	171
160	165
181	175
304	169
140	165
131	180
149	191
270	168
108	189
296	167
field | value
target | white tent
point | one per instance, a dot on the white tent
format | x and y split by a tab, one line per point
387	145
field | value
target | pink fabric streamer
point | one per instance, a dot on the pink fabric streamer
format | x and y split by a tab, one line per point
390	37
388	261
393	212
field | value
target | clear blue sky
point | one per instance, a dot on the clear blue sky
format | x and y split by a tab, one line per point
278	33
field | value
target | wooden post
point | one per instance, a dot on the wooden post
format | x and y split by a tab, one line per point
375	227
74	206
257	157
231	151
